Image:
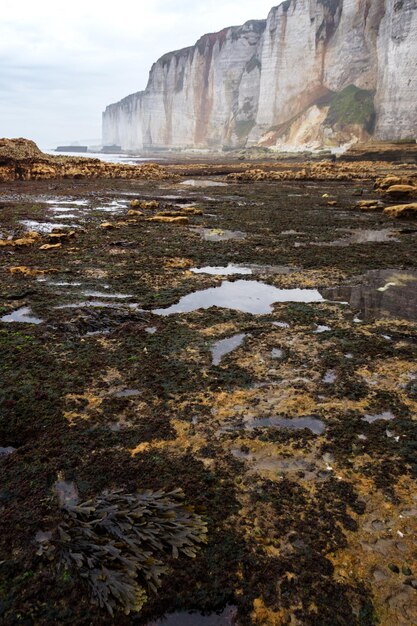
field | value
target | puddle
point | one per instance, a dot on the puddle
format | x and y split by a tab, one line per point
217	234
225	618
7	451
362	236
321	329
225	346
277	353
59	283
127	393
22	315
247	296
380	294
281	324
62	209
330	377
151	330
386	416
66	491
248	270
315	425
100	294
92	304
203	183
66	202
42	227
264	462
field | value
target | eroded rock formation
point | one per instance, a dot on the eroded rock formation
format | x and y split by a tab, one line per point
315	73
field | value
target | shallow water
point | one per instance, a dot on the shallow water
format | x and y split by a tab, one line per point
232	269
321	329
90	304
247	296
127	393
380	294
225	346
217	234
42	227
361	237
330	377
22	315
6	451
315	425
386	416
101	294
203	183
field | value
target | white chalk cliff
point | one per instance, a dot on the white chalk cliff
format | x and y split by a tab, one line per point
315	73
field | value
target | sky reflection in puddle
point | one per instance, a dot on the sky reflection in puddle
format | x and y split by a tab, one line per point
218	234
247	296
225	346
233	269
22	315
380	294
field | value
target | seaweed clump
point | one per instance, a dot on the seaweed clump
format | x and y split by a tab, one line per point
118	542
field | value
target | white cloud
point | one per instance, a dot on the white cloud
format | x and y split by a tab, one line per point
61	63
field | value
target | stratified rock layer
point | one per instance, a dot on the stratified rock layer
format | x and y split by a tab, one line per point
21	159
315	73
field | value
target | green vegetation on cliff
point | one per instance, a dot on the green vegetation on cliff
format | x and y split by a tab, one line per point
352	106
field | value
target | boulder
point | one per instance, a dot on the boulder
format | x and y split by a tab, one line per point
402	210
401	191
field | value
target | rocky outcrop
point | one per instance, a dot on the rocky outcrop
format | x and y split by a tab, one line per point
315	73
21	159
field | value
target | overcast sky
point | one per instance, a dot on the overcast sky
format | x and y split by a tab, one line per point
62	62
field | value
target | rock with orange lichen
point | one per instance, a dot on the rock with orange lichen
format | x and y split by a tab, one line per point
59	237
27	240
401	191
144	204
369	205
191	210
134	213
51	246
402	210
28	271
178	263
165	219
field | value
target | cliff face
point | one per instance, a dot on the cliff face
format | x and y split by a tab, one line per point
315	73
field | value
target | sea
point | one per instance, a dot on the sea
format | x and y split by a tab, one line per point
107	158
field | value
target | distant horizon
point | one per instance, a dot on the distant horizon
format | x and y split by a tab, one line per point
56	82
